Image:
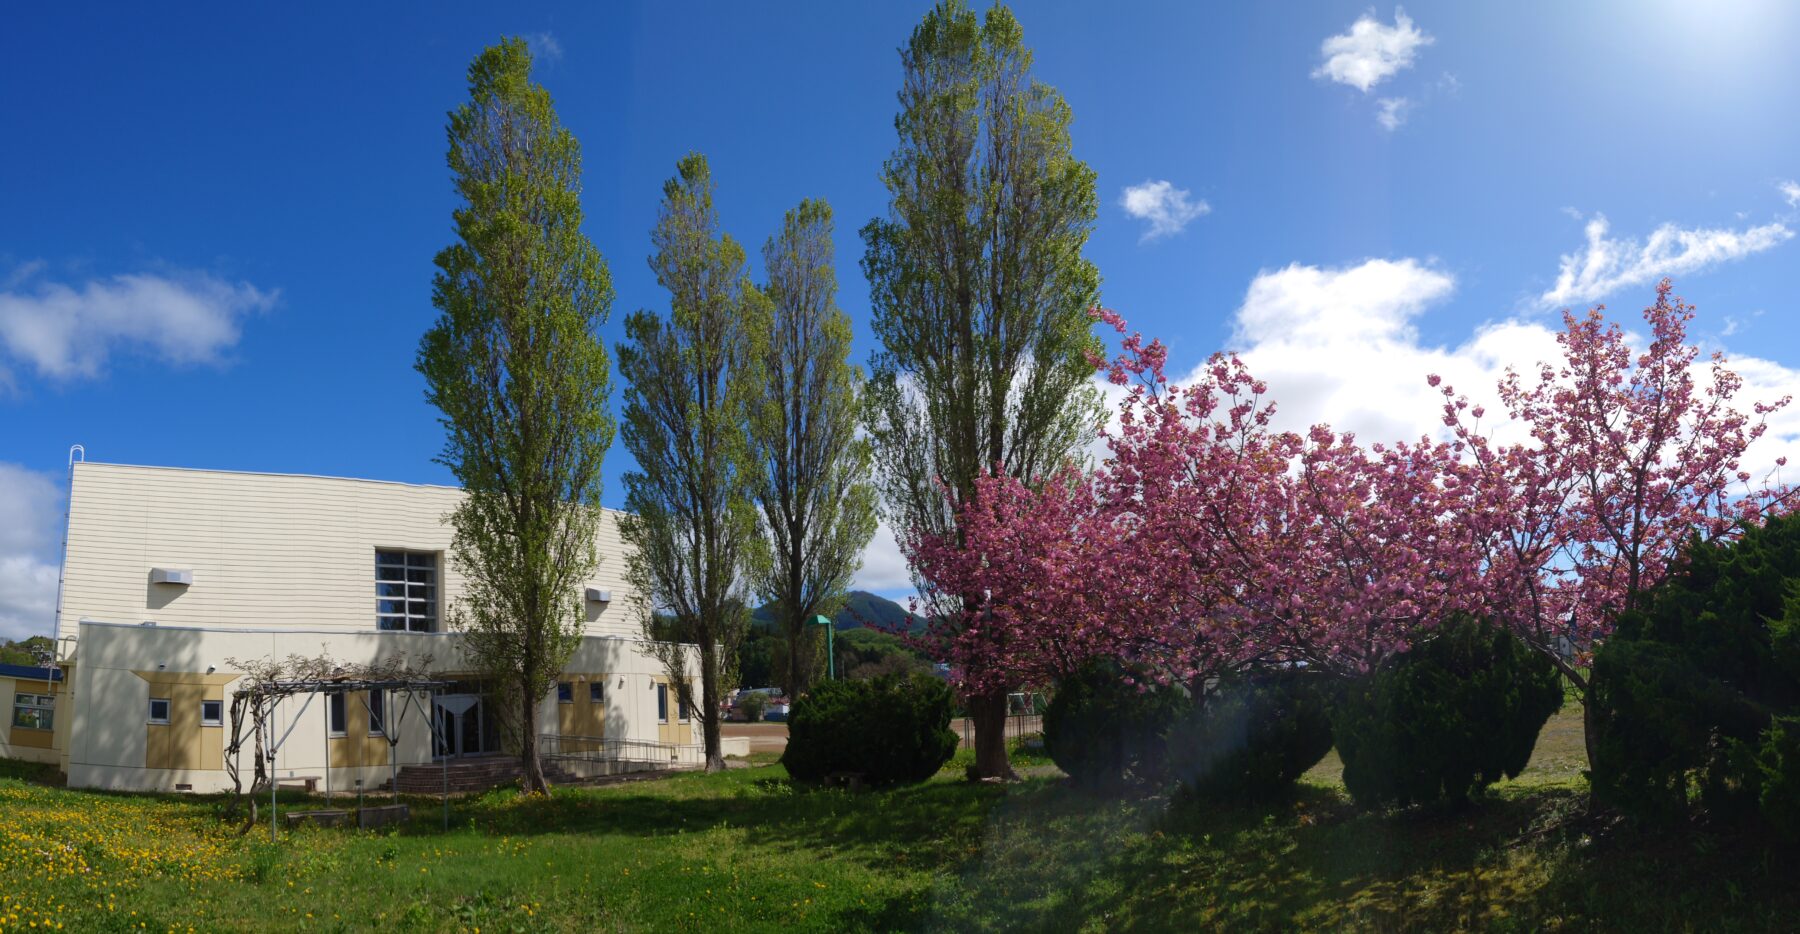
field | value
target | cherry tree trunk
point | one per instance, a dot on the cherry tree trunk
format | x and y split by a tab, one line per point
988	713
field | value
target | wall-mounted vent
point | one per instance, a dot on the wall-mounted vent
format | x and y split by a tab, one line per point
178	576
596	595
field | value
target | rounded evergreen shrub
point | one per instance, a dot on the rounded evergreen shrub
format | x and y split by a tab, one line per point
1105	727
894	729
1695	695
1442	721
1254	736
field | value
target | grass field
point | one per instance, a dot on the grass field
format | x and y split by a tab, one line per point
745	850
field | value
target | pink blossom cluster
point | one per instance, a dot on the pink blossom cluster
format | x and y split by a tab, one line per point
1207	540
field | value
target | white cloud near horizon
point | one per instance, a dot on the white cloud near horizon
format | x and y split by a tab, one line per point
67	332
1605	265
1340	346
1167	209
1371	52
1790	192
30	526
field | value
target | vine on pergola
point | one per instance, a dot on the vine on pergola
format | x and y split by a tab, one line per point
267	681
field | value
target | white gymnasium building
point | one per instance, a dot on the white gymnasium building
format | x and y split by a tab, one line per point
169	574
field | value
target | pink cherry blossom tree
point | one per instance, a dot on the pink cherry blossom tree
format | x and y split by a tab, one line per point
1627	456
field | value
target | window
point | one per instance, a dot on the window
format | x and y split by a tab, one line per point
596	692
406	591
662	703
377	712
565	692
335	704
159	710
212	713
684	707
34	711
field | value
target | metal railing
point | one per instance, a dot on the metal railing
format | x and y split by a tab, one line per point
613	749
1017	725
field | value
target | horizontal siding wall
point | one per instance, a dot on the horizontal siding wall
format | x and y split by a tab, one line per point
266	550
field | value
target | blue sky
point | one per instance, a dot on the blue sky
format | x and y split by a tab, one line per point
217	222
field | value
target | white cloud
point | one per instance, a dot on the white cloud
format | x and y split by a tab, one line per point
67	332
30	530
1370	52
1605	265
1393	112
883	566
1790	192
1167	208
544	48
1339	346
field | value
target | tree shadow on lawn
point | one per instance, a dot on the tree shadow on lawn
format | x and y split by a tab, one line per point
1520	861
919	826
1040	855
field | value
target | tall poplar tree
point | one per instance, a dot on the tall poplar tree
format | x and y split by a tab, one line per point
812	468
979	291
514	364
686	417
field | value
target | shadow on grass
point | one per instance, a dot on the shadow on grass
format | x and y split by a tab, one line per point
1039	855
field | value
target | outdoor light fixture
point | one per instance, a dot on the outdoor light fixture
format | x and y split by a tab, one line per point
178	577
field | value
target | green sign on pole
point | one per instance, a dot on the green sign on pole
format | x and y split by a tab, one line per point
830	648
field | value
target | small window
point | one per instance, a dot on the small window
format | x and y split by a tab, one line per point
596	692
662	703
338	719
212	713
159	710
34	711
377	712
565	692
683	706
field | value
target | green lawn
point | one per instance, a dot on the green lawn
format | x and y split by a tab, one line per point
745	850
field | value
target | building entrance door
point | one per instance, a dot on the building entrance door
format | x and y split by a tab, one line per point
463	727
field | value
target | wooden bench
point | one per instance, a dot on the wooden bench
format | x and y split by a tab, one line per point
310	781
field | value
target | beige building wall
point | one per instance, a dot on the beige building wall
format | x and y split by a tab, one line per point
113	744
267	550
282	565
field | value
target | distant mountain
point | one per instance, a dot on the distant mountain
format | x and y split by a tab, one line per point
862	609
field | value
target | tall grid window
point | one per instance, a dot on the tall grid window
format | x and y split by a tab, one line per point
406	591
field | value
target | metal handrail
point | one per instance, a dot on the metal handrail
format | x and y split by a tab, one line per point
616	749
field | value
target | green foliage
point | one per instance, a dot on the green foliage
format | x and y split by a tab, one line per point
691	520
1778	769
1105	728
31	652
1694	695
892	730
753	705
756	658
866	654
521	380
978	289
1254	736
811	464
1444	720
